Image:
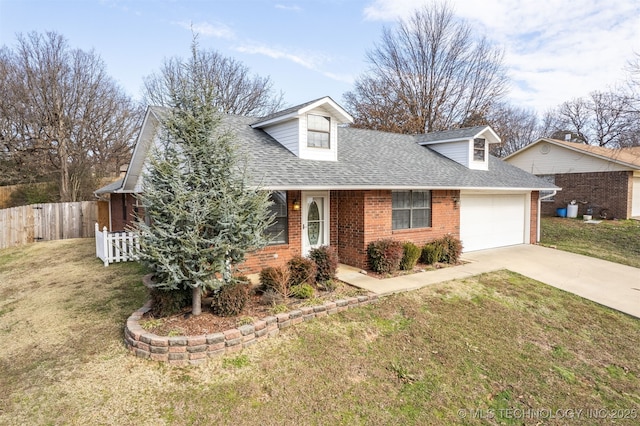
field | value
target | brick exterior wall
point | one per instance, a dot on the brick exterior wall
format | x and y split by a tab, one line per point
365	216
533	218
122	211
280	254
351	226
356	218
602	190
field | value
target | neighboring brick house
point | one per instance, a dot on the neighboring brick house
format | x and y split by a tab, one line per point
604	180
336	185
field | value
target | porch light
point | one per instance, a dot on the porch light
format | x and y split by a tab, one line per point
296	204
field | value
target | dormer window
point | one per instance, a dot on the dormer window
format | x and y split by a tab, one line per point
318	131
479	148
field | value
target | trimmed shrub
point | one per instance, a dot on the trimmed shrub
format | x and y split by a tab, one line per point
432	252
230	300
302	270
410	256
447	249
452	249
326	259
302	291
384	255
276	279
169	302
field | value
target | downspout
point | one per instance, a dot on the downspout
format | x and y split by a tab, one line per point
553	194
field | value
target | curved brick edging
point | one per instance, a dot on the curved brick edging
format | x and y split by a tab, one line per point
183	350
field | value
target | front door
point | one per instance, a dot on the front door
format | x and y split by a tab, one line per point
315	220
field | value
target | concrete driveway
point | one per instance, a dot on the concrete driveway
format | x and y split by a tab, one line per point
607	283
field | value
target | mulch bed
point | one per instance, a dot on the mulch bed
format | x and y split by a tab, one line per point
420	267
185	324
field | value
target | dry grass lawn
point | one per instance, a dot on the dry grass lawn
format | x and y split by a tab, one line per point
496	342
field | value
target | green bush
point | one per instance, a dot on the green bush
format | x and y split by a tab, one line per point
447	249
169	302
276	279
384	255
302	270
326	259
230	299
452	249
432	253
302	291
410	256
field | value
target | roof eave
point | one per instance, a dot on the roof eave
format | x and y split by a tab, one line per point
402	188
574	149
342	115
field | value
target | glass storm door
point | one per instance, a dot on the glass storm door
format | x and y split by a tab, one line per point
315	224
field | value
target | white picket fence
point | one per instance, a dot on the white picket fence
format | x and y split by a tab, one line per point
116	246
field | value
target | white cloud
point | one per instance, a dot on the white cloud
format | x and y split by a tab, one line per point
207	29
308	60
555	50
294	8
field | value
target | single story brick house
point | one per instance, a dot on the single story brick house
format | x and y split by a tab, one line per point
605	180
345	187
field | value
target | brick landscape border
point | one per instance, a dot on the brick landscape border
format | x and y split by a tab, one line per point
185	350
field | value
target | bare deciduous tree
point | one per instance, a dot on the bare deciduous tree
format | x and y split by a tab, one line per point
236	91
60	114
607	119
429	73
517	127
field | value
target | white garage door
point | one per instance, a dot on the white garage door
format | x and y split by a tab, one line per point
495	220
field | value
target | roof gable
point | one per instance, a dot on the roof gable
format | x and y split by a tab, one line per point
547	153
468	146
455	135
296	111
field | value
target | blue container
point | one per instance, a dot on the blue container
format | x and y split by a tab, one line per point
562	212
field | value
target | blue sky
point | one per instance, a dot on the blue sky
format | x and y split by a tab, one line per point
555	50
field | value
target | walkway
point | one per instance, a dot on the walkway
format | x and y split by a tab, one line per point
607	283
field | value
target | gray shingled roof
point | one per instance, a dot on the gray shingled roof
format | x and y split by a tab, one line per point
284	112
370	159
113	186
445	135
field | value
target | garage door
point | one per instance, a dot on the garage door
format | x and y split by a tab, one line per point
496	220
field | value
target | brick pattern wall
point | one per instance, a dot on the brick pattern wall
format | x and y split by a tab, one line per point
445	219
280	254
533	219
365	216
610	190
185	350
350	225
122	211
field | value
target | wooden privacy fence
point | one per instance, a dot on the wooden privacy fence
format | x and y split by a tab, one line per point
116	246
44	222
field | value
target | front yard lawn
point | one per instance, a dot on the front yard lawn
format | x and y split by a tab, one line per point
494	349
613	240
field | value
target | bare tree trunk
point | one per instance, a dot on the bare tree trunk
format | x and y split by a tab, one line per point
196	301
64	170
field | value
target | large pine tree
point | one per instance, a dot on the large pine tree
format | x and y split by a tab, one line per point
203	213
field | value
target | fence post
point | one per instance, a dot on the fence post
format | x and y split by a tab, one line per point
105	246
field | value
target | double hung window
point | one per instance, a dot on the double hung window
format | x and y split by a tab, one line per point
411	209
